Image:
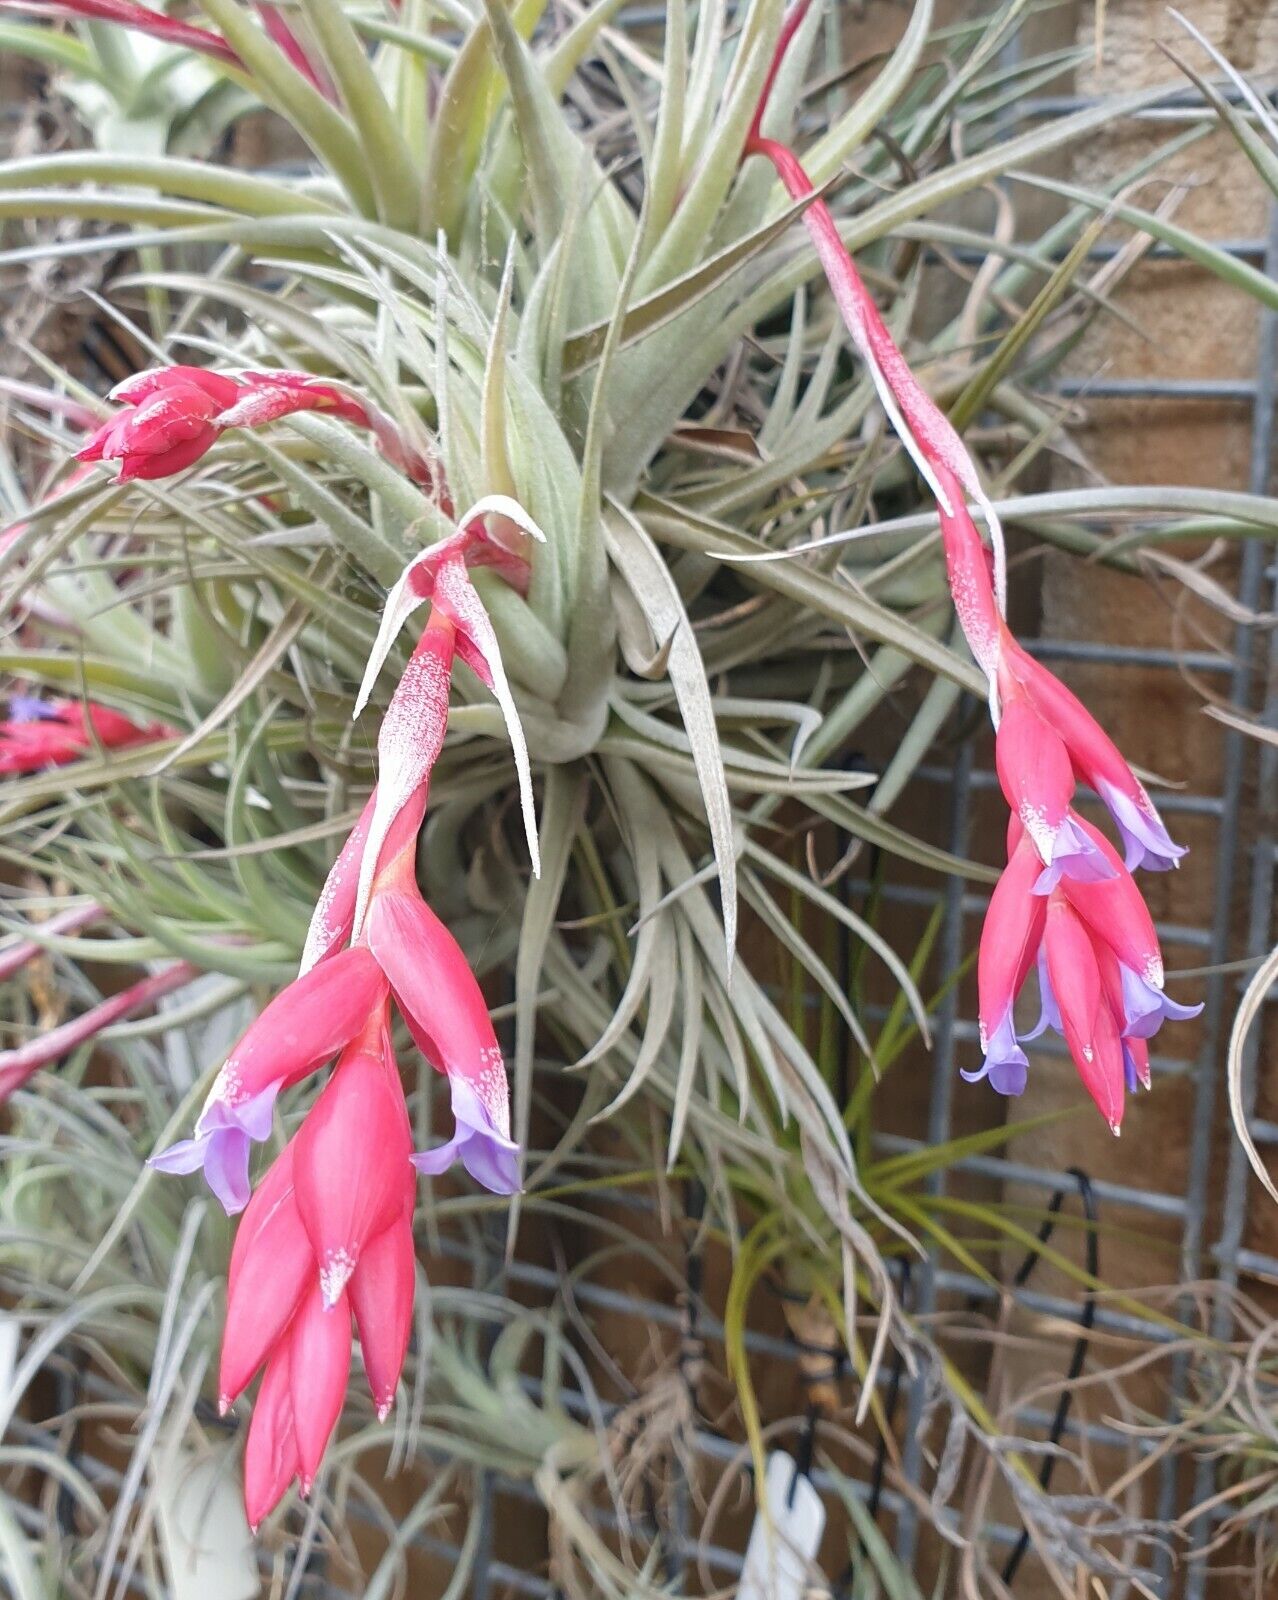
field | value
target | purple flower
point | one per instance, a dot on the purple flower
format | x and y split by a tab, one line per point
221	1146
1049	1015
1146	1008
489	1155
28	708
1133	1072
1075	855
1146	842
1006	1064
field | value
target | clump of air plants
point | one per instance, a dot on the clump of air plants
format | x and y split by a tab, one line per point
230	589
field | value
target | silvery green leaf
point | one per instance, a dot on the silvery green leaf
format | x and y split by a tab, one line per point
649	579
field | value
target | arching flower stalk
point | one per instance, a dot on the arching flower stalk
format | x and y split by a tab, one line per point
1066	903
19	1065
185	35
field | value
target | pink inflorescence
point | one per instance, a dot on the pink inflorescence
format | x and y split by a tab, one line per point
49	733
326	1241
171	417
1066	904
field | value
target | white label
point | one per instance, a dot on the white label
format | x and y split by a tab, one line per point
779	1557
205	1536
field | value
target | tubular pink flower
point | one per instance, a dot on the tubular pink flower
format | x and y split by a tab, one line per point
1063	881
1096	759
381	1293
1113	919
351	1170
1038	783
1115	911
21	1064
303	1027
272	1266
1010	939
446	1012
1086	1019
173	416
144	386
319	1366
166	425
341	1190
328	1236
270	1456
335	1004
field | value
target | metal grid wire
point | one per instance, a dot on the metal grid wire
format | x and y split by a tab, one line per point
1244	870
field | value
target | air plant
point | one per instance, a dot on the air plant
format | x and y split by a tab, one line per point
468	304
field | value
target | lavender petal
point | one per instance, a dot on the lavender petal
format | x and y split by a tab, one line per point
1049	1015
185	1156
1146	841
1146	1008
487	1154
226	1165
1006	1064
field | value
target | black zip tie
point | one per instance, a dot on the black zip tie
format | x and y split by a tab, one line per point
804	1454
794	1297
692	1346
1086	1321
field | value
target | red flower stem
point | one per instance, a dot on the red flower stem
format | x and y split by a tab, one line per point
70	921
21	1064
140	17
924	430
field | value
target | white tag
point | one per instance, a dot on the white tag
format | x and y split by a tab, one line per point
204	1534
778	1563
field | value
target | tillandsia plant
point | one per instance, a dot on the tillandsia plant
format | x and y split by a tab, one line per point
538	341
1065	902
